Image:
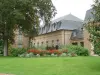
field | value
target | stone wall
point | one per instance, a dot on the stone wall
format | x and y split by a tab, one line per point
61	37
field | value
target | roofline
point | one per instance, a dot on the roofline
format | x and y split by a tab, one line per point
55	31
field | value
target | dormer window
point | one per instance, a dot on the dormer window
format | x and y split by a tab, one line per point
74	34
58	24
47	28
54	25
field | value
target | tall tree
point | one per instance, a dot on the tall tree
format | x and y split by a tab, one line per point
94	27
23	14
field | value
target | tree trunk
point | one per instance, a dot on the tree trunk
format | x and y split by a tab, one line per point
5	47
29	42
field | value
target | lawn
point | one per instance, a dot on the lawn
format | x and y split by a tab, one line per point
51	66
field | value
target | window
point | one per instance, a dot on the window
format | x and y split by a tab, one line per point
74	34
58	42
41	43
19	41
52	41
19	45
54	25
47	28
58	24
34	44
82	44
38	44
74	43
47	42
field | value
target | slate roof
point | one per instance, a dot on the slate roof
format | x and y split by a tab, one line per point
77	34
68	22
68	17
89	15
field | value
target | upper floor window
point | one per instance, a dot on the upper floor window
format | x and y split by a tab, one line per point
52	41
38	44
42	43
47	42
58	24
34	44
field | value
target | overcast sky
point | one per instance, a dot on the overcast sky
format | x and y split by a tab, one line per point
76	7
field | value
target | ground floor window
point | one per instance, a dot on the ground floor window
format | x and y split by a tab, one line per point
82	44
74	43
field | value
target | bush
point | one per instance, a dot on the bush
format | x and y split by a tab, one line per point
63	55
43	53
17	51
38	55
54	55
80	51
35	52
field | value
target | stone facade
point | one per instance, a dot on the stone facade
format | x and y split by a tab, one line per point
63	31
61	37
87	43
20	40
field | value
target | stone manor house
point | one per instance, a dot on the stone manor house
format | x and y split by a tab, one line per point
63	31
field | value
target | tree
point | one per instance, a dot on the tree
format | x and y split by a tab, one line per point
31	34
24	15
94	27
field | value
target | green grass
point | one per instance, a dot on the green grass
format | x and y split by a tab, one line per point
51	66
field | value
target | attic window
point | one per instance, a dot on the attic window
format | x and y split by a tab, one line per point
74	34
54	25
58	24
47	28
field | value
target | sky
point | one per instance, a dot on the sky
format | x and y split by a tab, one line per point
77	8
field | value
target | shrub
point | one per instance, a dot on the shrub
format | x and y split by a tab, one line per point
22	55
52	54
80	51
17	51
43	53
63	55
57	52
35	52
37	55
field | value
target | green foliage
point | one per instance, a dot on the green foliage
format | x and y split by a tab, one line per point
17	51
63	55
24	15
97	48
96	8
80	51
50	66
93	27
1	47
